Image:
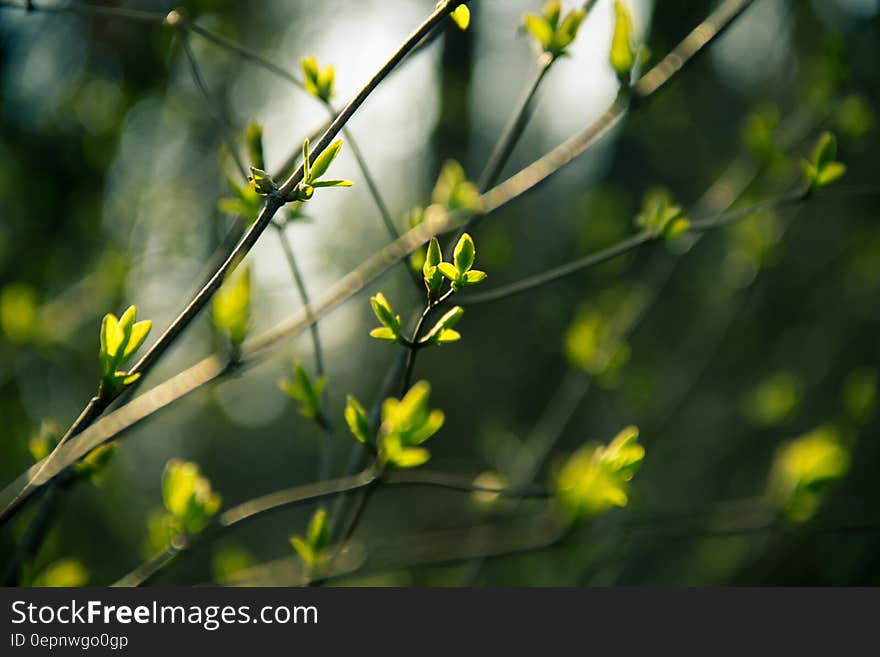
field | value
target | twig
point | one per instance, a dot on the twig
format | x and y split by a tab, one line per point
287	248
287	498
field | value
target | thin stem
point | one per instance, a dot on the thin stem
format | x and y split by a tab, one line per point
300	495
456	483
558	273
414	346
246	512
287	248
326	448
213	106
624	246
373	188
508	140
243	52
516	125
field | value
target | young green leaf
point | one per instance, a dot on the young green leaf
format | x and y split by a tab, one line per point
245	201
253	135
323	161
307	161
622	55
63	573
660	216
188	495
232	306
384	333
596	478
433	258
301	388
540	29
804	469
357	421
398	456
332	183
390	329
120	339
261	182
318	81
43	442
312	548
441	332
304	551
464	254
448	270
318	534
92	464
474	276
453	191
551	34
460	274
407	423
567	30
462	16
822	169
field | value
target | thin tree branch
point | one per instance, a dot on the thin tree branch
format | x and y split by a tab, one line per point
290	497
287	248
213	106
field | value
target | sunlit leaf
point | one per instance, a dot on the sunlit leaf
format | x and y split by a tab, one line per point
804	469
323	161
232	305
357	421
462	16
188	495
622	55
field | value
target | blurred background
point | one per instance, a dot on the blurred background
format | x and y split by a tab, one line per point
722	350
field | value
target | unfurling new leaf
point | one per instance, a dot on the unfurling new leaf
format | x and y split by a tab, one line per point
318	81
432	275
390	329
459	272
308	393
442	332
261	182
623	51
822	169
253	136
462	17
552	32
188	496
358	423
804	469
596	478
660	216
312	548
246	201
312	171
232	306
406	424
454	191
120	339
